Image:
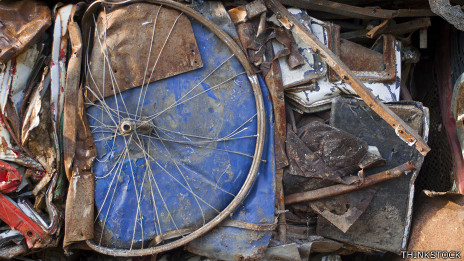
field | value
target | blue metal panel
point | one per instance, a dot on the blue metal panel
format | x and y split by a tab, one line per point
187	181
231	243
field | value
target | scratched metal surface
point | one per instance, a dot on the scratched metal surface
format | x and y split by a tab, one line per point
134	208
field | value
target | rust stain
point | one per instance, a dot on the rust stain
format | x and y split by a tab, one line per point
128	35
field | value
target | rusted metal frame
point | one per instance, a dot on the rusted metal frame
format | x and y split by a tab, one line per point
87	22
342	189
389	59
404	131
355	11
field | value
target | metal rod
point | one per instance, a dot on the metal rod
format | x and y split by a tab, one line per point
342	189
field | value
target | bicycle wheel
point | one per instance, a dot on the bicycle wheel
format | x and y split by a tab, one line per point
175	156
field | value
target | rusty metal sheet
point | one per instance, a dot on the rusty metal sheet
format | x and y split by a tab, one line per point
22	23
126	42
438	225
79	214
343	210
73	75
238	14
79	221
274	82
360	58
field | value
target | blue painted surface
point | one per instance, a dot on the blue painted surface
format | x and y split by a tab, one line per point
231	243
137	201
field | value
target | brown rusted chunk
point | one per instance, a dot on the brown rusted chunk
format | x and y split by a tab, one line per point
342	189
405	132
438	224
284	37
128	37
354	11
246	34
360	58
78	148
22	22
79	208
238	14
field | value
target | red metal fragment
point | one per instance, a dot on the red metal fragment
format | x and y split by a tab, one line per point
10	213
10	178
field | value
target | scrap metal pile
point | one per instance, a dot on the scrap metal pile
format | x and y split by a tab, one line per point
234	130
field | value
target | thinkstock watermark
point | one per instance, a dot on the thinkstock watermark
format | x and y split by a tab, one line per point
431	254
